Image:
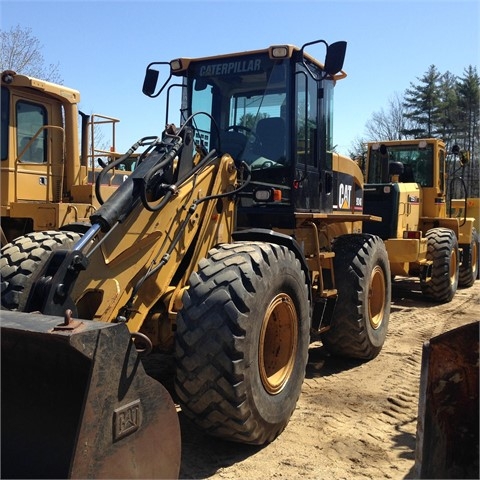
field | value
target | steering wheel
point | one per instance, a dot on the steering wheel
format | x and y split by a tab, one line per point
262	163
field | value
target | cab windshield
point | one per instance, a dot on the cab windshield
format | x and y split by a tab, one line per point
239	108
411	163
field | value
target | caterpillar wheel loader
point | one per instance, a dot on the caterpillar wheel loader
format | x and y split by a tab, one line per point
237	236
47	169
427	233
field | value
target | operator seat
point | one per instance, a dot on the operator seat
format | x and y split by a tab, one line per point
270	133
407	175
233	143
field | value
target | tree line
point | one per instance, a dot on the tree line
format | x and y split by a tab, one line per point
438	104
21	51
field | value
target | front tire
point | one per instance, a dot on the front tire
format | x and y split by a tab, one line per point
22	257
362	276
242	341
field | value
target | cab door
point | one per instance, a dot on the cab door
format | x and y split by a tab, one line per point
37	148
313	183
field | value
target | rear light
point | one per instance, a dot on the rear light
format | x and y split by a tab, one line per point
412	234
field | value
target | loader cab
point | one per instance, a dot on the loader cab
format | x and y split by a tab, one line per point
34	121
404	162
272	110
405	180
32	142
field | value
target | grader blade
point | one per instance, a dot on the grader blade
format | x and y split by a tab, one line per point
448	411
77	403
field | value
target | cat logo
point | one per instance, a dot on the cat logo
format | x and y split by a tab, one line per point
344	194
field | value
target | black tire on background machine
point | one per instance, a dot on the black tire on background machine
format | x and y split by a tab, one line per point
22	257
363	281
469	269
242	341
442	250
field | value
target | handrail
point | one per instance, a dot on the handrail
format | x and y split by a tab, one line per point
95	120
102	119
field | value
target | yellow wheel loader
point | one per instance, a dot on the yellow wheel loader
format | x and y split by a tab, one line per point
237	235
427	233
47	169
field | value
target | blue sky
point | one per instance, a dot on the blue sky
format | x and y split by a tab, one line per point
103	47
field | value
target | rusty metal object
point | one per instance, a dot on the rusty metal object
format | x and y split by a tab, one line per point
68	322
448	413
77	403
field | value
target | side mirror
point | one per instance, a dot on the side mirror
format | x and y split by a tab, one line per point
150	82
463	154
464	157
335	57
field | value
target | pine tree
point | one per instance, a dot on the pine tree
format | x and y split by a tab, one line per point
448	123
469	103
469	108
422	102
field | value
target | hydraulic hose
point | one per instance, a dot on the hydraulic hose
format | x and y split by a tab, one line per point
129	193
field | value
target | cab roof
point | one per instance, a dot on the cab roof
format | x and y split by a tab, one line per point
275	52
60	92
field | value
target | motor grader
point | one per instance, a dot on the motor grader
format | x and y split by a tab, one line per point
235	240
47	172
426	231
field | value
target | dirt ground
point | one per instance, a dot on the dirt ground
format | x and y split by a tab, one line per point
353	420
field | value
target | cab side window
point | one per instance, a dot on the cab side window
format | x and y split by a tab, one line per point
31	118
306	120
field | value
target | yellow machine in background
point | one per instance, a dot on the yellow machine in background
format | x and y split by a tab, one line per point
407	184
467	207
237	234
47	171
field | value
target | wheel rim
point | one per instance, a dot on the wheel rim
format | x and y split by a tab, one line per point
453	266
278	343
376	297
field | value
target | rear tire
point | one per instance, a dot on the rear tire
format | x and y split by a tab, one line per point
22	257
242	342
468	272
442	249
363	280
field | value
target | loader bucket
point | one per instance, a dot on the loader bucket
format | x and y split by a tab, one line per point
448	409
77	403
